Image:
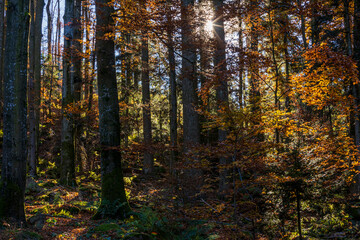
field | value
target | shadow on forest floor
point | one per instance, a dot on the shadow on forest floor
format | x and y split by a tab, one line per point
57	212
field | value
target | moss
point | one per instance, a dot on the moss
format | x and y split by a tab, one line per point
114	203
112	209
107	227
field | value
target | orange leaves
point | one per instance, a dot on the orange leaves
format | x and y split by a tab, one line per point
326	77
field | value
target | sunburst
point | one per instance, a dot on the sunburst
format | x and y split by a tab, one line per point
209	26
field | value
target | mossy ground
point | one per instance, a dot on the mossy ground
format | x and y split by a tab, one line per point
158	212
155	212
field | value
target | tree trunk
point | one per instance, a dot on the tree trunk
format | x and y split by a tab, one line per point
77	82
241	84
2	45
254	81
87	79
37	71
31	93
113	198
13	172
189	80
145	79
49	26
173	95
222	95
34	79
58	36
67	165
205	66
49	50
303	27
191	126
355	87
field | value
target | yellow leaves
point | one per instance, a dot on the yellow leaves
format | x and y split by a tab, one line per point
325	78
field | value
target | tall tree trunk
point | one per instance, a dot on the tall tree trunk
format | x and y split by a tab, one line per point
49	50
31	93
49	15
355	87
37	72
241	85
173	95
87	78
13	172
222	95
58	36
87	64
189	80
34	76
113	198
77	82
67	165
2	45
191	126
145	79
205	62
302	24
254	82
125	84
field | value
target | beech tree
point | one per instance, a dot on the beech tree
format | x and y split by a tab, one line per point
145	80
222	95
13	171
172	77
37	7
188	77
354	84
2	43
191	125
67	166
113	199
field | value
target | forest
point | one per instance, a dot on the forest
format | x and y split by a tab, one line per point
179	119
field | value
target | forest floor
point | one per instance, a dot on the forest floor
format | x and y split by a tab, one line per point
58	212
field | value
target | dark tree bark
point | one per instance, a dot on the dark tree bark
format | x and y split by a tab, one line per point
76	51
58	36
189	80
205	62
13	172
88	81
173	95
303	23
222	93
191	126
77	81
34	79
113	199
241	85
128	74
354	87
37	72
50	16
125	85
145	79
2	45
67	165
